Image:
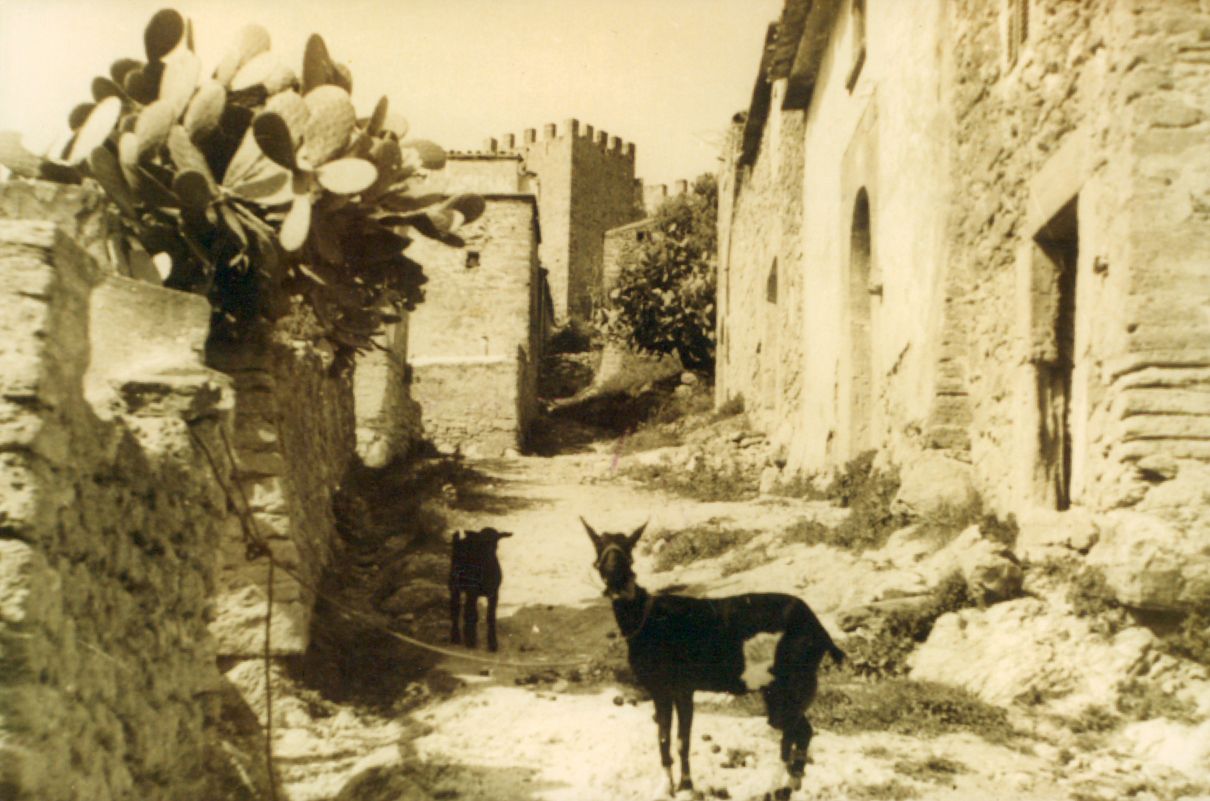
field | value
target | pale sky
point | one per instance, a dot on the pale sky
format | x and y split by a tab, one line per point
664	74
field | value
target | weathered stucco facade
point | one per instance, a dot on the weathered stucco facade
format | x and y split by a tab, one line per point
979	228
475	344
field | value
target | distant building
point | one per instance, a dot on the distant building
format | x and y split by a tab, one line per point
475	344
585	186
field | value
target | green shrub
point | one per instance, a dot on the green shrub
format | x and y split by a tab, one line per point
902	706
702	483
664	299
1192	639
1090	597
1142	700
704	541
867	493
889	637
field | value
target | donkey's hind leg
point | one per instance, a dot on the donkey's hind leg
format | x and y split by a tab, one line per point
684	725
492	643
794	743
663	722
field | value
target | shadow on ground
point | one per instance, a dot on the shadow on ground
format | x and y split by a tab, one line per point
417	781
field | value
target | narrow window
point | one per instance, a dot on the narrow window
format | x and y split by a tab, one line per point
860	347
472	259
771	284
859	43
1017	29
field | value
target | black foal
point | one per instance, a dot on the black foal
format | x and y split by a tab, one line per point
474	571
679	644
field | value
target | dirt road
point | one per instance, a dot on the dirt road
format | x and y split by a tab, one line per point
563	726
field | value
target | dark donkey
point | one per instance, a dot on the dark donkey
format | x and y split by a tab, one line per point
679	644
474	571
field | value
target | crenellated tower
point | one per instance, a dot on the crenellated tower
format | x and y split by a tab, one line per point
585	186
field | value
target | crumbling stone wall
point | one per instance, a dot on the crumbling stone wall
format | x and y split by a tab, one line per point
295	434
110	518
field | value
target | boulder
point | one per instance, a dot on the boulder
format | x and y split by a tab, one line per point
1026	648
1151	563
1044	534
933	482
989	568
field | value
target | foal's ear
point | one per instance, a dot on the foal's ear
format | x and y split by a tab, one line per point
502	534
592	535
633	539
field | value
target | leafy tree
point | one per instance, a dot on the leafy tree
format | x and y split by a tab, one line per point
664	300
255	185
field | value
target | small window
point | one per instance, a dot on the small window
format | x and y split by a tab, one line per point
771	284
640	236
858	15
1017	29
472	259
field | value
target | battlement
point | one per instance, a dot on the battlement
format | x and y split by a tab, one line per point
569	130
655	194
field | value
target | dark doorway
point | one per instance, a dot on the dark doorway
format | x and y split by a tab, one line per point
1059	242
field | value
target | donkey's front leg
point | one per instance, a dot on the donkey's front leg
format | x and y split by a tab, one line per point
663	722
684	723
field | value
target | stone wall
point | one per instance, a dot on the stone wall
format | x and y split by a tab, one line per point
620	247
294	439
483	309
482	173
1099	128
761	273
388	418
110	519
476	405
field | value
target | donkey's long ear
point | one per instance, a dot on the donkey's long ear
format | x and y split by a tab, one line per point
633	539
592	535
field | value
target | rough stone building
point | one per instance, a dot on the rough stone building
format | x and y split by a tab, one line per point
621	242
979	228
475	344
585	186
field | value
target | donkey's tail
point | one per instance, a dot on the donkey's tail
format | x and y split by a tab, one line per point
811	625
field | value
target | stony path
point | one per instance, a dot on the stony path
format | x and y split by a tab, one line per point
573	741
574	733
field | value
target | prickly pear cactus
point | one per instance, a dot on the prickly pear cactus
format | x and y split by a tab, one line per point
254	185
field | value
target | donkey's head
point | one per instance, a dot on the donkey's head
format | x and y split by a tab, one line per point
615	560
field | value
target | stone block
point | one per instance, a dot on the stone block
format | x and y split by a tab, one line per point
933	481
1151	563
